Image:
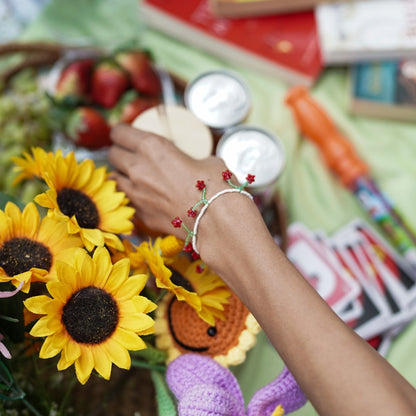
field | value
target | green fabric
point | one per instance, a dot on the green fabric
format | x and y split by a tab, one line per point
311	194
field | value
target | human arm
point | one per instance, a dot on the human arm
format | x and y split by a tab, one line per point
338	371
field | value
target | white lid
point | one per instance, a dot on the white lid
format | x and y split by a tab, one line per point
253	150
219	98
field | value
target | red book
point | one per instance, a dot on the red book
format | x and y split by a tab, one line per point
285	46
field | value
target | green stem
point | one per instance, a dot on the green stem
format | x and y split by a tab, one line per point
144	364
66	398
162	293
31	408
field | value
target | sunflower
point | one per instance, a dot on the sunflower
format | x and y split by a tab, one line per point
205	292
30	247
210	289
94	316
163	275
130	251
167	248
82	196
30	166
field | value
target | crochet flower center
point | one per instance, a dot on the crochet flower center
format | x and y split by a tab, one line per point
91	315
74	202
18	255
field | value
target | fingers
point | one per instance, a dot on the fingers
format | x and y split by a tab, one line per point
122	159
130	138
126	136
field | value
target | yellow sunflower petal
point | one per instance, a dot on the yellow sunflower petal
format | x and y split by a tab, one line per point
63	363
129	340
128	308
85	171
86	271
137	322
102	362
49	349
42	328
84	365
72	351
68	274
111	240
31	220
92	237
132	286
97	179
143	304
118	354
37	304
59	290
103	265
44	200
118	275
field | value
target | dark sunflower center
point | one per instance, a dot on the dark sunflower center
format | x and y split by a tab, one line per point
74	202
19	255
90	316
179	280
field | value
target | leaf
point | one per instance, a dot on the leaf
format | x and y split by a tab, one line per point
5	198
166	404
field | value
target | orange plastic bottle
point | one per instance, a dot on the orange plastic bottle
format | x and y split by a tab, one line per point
316	125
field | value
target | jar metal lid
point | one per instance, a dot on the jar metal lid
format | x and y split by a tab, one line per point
248	149
219	98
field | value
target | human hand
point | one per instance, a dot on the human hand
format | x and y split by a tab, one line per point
159	179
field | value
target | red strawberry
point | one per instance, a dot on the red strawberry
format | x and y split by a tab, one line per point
143	76
132	109
87	127
108	83
74	80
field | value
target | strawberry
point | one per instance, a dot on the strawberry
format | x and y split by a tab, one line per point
87	127
132	109
142	74
74	80
108	83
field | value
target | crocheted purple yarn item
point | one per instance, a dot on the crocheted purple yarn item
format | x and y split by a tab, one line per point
283	390
204	388
190	370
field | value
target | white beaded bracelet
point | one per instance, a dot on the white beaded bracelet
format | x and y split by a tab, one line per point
192	212
213	198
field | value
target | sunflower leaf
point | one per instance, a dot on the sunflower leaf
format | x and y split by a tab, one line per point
5	198
151	354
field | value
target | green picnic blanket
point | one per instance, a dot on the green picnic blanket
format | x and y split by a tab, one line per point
310	192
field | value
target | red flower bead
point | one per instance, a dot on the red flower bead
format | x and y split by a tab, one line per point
199	268
176	222
226	175
188	248
200	185
250	178
195	255
191	213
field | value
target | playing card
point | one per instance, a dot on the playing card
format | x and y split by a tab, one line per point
327	277
376	311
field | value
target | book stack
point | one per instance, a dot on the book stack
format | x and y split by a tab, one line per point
294	40
377	40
